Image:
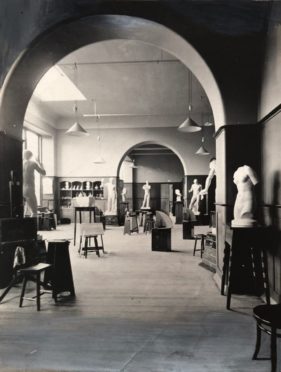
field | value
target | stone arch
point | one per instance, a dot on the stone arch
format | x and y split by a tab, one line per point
147	143
66	37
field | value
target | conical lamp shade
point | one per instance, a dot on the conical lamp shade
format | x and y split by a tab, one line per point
76	130
99	160
202	151
189	126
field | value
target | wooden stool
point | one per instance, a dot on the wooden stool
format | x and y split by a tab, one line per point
148	223
89	231
268	318
31	273
202	246
245	263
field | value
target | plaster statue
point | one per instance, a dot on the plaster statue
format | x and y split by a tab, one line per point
146	200
212	173
245	179
29	166
194	202
178	195
111	198
123	194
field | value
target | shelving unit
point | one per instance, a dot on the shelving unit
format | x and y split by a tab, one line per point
72	188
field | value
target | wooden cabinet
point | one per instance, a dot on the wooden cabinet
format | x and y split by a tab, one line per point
11	200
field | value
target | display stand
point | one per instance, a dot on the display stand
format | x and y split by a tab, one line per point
188	229
245	263
124	207
179	212
142	213
131	224
60	279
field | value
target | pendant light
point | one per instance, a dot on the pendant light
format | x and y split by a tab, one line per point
202	150
189	125
99	159
208	122
76	130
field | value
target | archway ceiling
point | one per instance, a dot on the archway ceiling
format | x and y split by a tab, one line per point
133	84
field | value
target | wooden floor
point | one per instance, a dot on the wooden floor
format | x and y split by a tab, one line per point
135	310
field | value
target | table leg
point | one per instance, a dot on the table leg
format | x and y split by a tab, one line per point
74	226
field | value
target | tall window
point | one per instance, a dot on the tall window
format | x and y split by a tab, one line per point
33	142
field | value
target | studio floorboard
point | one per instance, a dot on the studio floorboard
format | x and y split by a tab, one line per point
135	310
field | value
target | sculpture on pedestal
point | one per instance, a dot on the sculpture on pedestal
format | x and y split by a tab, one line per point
123	194
245	179
29	166
194	202
111	198
146	199
178	195
212	173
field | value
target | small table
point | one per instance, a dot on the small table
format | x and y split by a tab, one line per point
83	209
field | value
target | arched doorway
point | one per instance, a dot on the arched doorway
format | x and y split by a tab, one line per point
157	164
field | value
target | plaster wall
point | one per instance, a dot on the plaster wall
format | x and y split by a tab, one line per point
271	150
159	169
75	155
271	87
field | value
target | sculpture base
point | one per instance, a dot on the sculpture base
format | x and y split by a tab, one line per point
110	213
245	222
111	220
145	208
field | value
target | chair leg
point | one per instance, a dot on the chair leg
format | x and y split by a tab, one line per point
202	246
86	247
80	245
258	343
23	290
273	350
195	244
38	291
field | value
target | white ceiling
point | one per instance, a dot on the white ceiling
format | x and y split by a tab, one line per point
135	84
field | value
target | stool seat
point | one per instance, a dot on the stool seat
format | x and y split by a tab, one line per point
35	269
268	314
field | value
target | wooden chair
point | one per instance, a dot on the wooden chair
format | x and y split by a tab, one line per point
33	273
268	318
90	231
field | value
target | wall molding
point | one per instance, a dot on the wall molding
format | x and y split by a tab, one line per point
236	126
270	115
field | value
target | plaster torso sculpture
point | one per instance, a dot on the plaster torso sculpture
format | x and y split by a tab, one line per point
178	195
111	198
212	173
123	194
194	202
245	204
29	166
146	199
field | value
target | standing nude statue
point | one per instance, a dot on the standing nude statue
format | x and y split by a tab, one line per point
111	198
29	166
146	198
194	202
